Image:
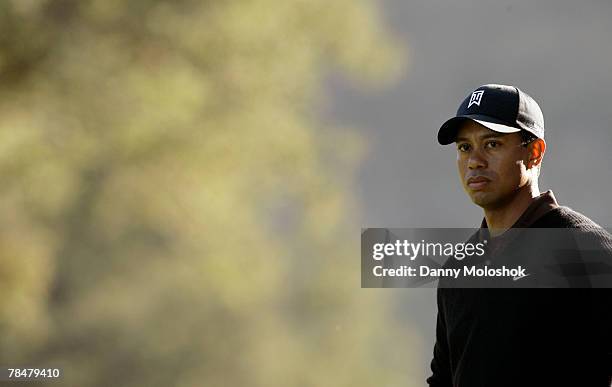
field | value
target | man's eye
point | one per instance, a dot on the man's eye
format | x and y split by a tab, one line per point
492	144
463	147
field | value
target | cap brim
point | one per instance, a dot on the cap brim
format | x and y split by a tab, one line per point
448	131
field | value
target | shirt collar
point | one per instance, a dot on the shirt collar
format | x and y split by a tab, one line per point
538	207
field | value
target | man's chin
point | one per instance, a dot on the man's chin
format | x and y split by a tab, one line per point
482	198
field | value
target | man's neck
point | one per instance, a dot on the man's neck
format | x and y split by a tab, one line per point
501	218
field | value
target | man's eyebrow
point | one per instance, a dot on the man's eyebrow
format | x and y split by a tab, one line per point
483	136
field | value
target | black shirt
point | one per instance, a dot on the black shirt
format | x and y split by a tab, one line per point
526	337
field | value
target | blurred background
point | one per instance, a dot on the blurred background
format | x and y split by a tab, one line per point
184	182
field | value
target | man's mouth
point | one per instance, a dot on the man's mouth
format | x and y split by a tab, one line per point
477	182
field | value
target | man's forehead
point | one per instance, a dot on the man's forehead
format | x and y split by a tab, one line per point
471	129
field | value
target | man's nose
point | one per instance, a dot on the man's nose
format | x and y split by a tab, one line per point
476	161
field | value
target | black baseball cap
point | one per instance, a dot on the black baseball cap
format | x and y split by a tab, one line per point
501	108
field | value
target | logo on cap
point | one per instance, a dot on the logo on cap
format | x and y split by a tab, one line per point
475	98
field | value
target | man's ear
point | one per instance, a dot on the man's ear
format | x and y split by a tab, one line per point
536	148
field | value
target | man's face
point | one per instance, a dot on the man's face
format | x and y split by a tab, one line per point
492	165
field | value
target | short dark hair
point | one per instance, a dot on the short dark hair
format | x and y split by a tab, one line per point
527	137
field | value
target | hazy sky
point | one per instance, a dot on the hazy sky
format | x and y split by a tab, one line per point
556	51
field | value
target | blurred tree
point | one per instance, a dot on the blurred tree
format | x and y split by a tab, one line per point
173	213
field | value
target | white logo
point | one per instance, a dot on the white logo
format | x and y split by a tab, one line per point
476	97
518	277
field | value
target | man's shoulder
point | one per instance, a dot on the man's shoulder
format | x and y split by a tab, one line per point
566	217
586	233
581	249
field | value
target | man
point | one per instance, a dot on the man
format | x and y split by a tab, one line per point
517	337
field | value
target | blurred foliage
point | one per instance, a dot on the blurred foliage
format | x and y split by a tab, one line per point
173	213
